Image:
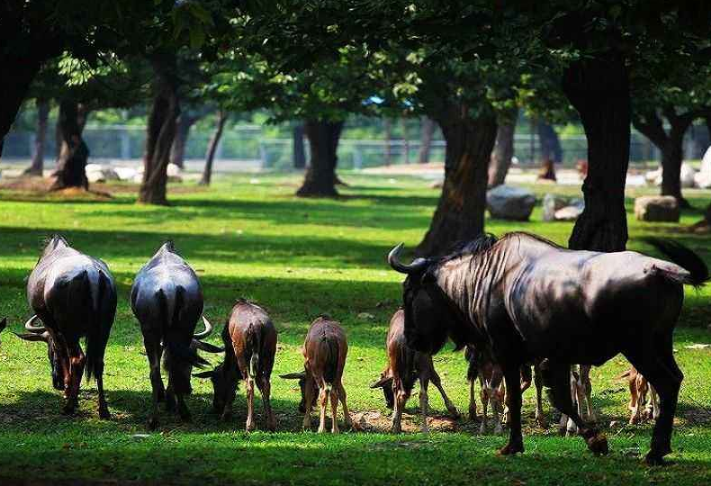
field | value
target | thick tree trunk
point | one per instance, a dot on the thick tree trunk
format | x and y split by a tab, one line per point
320	179
160	130
550	143
299	149
212	148
73	155
16	76
502	154
599	90
37	165
460	211
672	158
177	150
427	132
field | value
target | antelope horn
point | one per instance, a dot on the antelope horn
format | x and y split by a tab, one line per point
206	332
29	327
417	265
294	376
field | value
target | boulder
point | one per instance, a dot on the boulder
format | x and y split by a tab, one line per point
561	208
100	173
703	177
126	173
654	177
175	173
686	175
508	202
656	208
569	213
551	204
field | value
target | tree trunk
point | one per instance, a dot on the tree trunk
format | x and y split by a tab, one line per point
37	165
320	179
599	91
160	130
73	155
299	149
460	211
177	150
428	129
212	148
388	136
16	76
503	153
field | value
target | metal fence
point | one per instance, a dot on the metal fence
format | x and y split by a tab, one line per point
248	144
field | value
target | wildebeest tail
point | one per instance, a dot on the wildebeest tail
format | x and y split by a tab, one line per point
331	366
97	284
254	345
685	258
170	300
472	369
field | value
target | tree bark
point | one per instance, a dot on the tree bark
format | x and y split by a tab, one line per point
460	212
599	90
671	145
427	132
320	179
299	149
160	130
177	150
74	153
502	154
37	165
16	77
212	148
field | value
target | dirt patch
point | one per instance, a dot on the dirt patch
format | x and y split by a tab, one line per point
373	421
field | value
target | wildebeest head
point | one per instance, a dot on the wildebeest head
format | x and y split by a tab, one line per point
429	315
386	384
303	383
181	359
222	386
39	333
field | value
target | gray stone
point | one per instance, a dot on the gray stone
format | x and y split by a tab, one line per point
551	204
507	202
656	208
569	213
561	208
100	173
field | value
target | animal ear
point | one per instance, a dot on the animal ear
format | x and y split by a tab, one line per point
207	347
294	376
204	374
33	337
381	382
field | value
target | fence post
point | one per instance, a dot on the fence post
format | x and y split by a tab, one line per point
125	144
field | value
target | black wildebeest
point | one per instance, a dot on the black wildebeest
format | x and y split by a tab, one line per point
405	366
74	295
250	340
526	298
3	324
325	351
166	298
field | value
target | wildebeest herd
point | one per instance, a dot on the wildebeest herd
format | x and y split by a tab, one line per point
515	303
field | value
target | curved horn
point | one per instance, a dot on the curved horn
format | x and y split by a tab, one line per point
33	336
417	265
294	376
29	327
206	332
208	348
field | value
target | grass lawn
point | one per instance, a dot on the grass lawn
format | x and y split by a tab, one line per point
299	258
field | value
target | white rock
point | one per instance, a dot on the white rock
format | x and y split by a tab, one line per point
654	177
174	170
686	175
508	202
656	208
126	173
551	204
569	213
100	173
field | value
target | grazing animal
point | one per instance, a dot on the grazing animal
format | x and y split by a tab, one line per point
405	366
166	298
492	392
325	351
639	388
74	295
3	324
581	394
250	340
526	298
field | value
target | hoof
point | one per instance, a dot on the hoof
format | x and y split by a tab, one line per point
152	423
510	449
598	444
541	422
226	417
655	459
69	409
454	413
104	414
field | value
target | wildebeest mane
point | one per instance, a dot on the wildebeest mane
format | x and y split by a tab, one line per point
478	245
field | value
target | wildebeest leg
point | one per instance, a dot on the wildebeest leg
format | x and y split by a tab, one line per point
653	405
103	407
500	409
513	389
183	410
587	388
77	360
424	403
557	376
342	397
265	389
472	401
334	410
249	389
437	382
659	367
154	352
484	393
400	400
538	382
323	403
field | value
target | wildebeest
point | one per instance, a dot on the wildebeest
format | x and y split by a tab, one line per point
250	340
3	324
166	298
526	298
74	295
492	391
639	389
325	351
405	366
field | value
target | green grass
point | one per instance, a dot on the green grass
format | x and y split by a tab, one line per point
299	258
